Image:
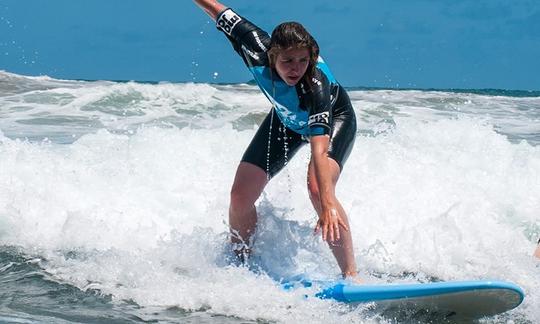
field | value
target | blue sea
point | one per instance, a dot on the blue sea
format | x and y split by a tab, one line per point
114	202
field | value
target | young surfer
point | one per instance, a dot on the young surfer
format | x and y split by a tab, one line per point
309	106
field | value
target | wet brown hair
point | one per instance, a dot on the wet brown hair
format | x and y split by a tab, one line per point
293	35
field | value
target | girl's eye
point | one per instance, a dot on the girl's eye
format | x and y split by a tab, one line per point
290	60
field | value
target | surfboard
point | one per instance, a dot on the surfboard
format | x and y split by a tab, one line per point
463	300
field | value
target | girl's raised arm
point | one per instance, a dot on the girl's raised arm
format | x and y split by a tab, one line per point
211	7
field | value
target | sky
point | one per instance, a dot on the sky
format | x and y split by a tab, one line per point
465	44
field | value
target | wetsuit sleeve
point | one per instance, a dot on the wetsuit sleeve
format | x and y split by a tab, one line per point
248	40
320	105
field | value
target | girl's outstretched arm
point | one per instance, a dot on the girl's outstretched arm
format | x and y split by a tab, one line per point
211	7
330	219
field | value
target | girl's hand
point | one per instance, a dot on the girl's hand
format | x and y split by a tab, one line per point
329	222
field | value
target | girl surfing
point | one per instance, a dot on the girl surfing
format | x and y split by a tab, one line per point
308	106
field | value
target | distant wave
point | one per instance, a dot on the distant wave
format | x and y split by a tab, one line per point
4	75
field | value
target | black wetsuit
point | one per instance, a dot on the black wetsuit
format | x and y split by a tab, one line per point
321	107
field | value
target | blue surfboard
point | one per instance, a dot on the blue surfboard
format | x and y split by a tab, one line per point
455	299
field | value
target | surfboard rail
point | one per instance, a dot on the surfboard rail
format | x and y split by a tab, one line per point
366	293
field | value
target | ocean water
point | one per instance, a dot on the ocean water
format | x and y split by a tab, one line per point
114	199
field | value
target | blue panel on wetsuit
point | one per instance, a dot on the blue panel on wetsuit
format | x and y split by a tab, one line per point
284	98
321	64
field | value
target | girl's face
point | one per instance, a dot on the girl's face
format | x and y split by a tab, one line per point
291	64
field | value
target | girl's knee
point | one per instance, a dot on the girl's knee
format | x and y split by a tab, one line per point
239	198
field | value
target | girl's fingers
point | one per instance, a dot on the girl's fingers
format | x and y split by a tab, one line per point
342	223
331	231
336	229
